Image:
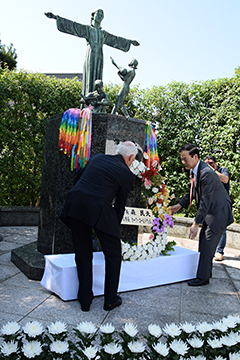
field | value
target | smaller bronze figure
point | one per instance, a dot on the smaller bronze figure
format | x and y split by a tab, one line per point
127	77
98	98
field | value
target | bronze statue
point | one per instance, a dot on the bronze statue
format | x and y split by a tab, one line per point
127	77
96	38
98	98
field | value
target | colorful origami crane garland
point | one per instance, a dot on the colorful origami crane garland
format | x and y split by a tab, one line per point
75	136
150	145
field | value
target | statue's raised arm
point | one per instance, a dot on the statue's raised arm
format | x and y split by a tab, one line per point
96	38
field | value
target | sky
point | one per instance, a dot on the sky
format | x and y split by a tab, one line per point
180	40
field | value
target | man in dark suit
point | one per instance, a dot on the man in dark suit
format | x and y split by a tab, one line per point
213	210
97	201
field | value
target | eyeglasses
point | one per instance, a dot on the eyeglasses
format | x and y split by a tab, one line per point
211	163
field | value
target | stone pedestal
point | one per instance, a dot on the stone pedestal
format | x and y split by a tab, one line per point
57	179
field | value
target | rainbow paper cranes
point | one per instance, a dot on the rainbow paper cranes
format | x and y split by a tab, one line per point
150	145
75	136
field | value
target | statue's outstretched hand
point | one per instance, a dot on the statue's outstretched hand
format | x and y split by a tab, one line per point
135	42
50	15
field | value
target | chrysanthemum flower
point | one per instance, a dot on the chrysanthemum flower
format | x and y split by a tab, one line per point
161	349
188	327
57	328
33	329
130	329
195	342
204	327
179	347
10	328
90	352
8	348
112	348
215	343
87	327
136	346
107	328
154	330
59	347
172	330
31	349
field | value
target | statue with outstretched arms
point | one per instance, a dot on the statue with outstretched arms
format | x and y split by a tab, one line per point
96	38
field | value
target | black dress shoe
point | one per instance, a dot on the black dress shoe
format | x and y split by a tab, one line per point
85	307
109	307
198	282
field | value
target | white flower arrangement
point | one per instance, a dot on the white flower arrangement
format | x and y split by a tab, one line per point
157	198
216	341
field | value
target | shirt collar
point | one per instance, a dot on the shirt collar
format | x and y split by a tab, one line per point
195	170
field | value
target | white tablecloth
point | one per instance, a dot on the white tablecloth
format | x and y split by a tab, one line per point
60	274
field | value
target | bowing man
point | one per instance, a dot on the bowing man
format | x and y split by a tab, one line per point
97	201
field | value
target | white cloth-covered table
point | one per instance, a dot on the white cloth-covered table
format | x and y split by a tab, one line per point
60	274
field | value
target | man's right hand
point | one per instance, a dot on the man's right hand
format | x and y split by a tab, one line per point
50	15
175	208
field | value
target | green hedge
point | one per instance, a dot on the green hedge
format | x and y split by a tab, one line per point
206	113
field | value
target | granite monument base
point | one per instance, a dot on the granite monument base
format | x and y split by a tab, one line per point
57	179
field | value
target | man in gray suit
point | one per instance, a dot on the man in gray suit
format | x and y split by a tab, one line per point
213	210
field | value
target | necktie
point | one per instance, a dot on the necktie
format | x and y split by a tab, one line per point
191	189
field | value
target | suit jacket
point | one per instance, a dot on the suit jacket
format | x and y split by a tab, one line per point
212	199
104	180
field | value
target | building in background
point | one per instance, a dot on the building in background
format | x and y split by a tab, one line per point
79	76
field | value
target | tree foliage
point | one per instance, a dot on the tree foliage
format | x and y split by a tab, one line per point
26	101
8	56
205	113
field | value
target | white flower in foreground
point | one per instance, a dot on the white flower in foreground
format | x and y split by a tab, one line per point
31	349
236	336
220	325
220	358
57	328
199	357
230	321
10	328
136	346
155	190
215	343
33	329
188	328
87	327
229	340
107	328
179	347
90	352
130	329
161	349
9	348
112	348
172	330
204	327
195	342
234	356
59	347
154	330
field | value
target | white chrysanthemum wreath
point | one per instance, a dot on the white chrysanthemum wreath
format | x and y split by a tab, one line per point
157	196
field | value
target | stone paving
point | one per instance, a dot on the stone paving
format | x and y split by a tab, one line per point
25	300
